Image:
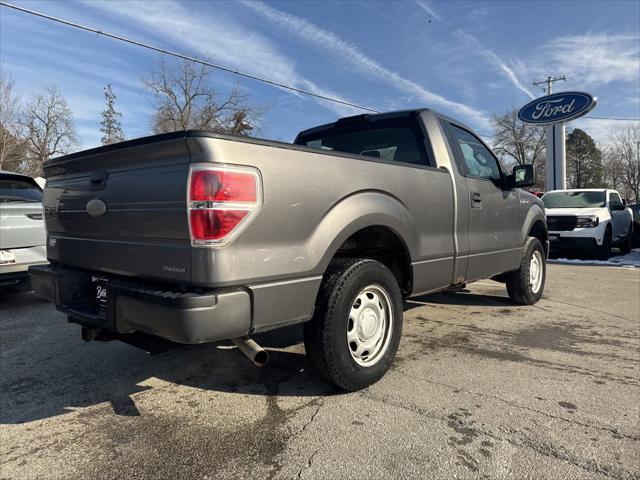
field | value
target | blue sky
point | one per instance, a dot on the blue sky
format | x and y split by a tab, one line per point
467	59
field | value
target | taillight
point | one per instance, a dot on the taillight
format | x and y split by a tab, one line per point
215	224
222	201
223	186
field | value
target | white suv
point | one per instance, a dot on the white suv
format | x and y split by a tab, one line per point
22	231
588	219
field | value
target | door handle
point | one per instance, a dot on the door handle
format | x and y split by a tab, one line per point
476	200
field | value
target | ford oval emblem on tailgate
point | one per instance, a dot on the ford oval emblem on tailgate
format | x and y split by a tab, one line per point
96	207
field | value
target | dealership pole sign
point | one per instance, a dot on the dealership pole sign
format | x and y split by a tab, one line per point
552	111
557	108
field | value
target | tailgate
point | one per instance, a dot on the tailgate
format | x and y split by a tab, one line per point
121	209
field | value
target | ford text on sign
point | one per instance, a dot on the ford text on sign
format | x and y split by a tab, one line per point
556	108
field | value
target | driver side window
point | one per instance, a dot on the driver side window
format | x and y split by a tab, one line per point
477	160
614	199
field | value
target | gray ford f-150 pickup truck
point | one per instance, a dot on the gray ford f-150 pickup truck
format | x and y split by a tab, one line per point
197	237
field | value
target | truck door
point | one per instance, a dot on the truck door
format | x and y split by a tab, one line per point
495	245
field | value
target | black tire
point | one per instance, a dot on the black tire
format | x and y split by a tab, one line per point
604	251
518	282
325	335
626	244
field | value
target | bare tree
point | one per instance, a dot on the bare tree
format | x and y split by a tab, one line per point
185	100
612	167
110	125
12	146
625	146
518	142
49	129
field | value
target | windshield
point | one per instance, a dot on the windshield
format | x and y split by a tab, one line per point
14	190
573	199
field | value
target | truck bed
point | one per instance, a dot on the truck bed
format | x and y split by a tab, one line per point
144	231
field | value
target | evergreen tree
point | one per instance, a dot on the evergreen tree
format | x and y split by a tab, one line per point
584	161
110	125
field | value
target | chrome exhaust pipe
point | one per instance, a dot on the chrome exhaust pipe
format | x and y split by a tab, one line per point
254	352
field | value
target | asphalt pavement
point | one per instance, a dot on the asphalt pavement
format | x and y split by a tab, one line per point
481	388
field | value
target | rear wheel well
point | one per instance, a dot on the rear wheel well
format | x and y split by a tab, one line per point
539	230
384	245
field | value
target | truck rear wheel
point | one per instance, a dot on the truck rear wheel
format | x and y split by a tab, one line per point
354	334
525	285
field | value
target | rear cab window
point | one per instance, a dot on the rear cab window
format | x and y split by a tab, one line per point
391	139
17	190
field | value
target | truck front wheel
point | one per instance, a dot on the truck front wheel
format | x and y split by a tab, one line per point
604	251
354	334
627	244
525	285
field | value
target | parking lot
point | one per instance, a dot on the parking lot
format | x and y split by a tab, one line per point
480	389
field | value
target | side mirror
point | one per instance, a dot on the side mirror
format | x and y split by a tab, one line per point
617	207
523	176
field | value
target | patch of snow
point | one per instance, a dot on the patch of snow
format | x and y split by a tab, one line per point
631	259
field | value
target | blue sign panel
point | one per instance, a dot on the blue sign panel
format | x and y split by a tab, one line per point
557	108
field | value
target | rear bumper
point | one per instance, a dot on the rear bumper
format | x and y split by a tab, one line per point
184	317
24	258
16	273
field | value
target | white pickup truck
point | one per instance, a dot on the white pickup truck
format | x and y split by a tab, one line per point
592	220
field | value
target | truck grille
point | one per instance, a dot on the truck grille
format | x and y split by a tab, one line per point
561	223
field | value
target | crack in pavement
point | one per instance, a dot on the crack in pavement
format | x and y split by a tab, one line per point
523	407
313	416
542	448
308	465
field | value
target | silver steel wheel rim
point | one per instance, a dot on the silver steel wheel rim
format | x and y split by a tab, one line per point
536	268
369	325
